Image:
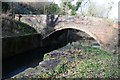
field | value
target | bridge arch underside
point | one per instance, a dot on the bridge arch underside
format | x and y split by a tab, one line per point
67	30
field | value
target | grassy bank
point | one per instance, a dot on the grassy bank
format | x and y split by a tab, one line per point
84	62
15	28
24	28
75	61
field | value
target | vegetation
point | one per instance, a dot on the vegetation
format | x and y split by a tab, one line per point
22	8
15	28
24	28
77	61
5	6
73	7
85	62
53	9
67	5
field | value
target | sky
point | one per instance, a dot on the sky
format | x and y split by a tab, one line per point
114	11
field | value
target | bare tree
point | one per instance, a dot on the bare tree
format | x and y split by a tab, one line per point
51	20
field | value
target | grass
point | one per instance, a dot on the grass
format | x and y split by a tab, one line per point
24	28
89	63
15	28
81	62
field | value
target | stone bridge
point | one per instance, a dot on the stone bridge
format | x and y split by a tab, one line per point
104	31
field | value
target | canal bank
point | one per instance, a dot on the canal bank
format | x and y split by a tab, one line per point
75	61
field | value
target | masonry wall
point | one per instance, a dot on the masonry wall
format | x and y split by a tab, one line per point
12	46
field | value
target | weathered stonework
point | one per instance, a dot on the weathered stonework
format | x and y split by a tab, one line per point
102	30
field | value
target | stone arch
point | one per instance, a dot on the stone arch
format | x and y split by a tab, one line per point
76	28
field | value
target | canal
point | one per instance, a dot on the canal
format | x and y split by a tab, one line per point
19	63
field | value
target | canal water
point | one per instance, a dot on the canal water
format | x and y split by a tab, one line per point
19	63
